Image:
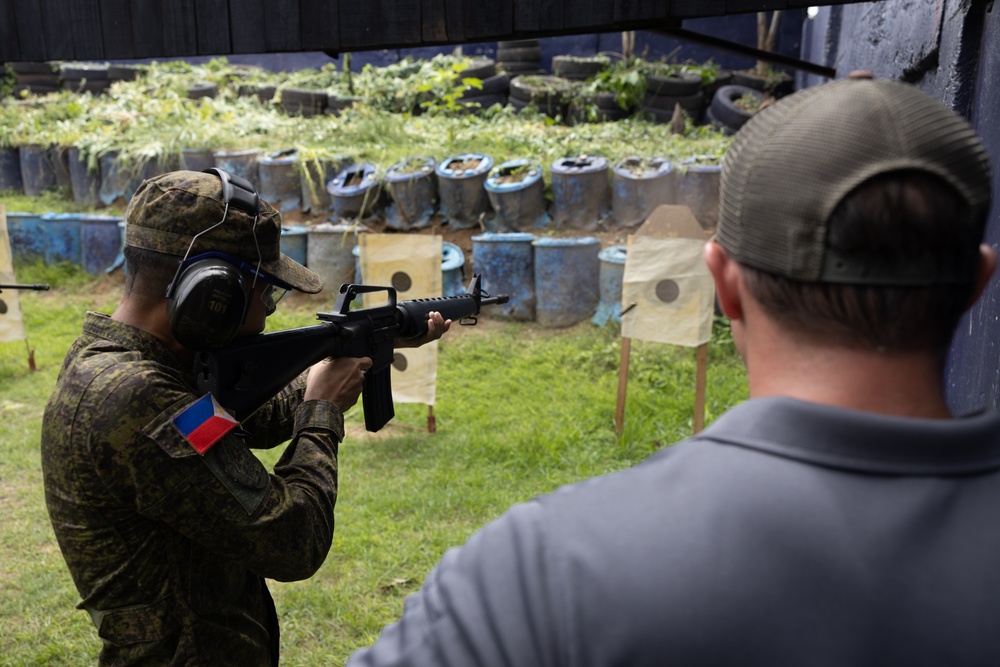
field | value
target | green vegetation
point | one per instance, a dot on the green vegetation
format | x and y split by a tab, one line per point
410	108
520	410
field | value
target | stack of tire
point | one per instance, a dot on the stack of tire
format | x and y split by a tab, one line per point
494	86
517	57
202	89
576	68
264	93
664	93
303	101
35	78
596	108
725	112
85	77
549	94
124	72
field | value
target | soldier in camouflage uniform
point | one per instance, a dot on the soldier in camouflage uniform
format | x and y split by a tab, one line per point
169	547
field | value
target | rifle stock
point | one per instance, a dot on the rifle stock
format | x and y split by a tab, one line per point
246	375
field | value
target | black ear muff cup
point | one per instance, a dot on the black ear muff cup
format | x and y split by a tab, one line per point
208	304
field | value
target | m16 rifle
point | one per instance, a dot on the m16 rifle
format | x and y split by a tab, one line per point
245	375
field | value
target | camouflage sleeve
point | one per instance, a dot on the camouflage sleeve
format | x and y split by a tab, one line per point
272	424
277	525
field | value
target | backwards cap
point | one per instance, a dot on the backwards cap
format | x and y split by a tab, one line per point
792	163
167	212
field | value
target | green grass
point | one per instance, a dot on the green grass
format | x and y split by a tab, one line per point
520	410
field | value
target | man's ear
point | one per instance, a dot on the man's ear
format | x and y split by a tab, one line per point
984	271
726	274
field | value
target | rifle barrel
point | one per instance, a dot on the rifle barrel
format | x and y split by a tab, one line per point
35	286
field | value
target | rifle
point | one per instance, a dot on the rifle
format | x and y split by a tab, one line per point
3	304
247	374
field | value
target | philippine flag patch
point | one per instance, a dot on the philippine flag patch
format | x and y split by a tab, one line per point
204	422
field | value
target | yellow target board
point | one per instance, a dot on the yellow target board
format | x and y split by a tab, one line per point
11	320
410	263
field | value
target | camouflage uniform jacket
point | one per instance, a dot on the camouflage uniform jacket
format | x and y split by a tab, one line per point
169	548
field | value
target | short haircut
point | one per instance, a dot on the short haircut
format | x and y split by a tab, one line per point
895	217
148	273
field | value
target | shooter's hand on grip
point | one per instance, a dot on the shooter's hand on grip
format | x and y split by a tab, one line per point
338	381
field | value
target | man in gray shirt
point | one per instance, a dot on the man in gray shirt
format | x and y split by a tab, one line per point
842	515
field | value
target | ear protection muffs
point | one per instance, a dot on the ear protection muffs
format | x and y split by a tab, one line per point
209	298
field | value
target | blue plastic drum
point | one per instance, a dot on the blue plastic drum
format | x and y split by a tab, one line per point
612	272
506	263
63	238
100	242
295	242
27	235
567	280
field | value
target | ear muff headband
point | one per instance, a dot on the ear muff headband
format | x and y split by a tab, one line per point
209	299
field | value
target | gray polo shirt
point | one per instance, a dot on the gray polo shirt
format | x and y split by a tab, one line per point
787	533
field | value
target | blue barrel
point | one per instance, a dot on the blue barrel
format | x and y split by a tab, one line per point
461	188
63	238
314	174
329	250
516	191
27	235
120	257
567	280
239	163
452	270
120	180
697	187
100	242
581	195
85	183
10	169
358	280
197	159
355	192
37	170
294	242
609	306
279	180
505	260
412	188
639	185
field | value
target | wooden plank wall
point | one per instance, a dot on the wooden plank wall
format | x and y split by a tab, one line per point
41	30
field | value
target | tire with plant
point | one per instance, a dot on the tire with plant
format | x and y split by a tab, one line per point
690	103
533	68
516	43
682	84
595	108
578	69
479	68
520	54
548	93
734	105
202	89
493	85
773	82
303	101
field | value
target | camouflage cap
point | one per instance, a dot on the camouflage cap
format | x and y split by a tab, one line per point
167	212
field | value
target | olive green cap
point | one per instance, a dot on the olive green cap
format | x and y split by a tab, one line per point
791	164
167	212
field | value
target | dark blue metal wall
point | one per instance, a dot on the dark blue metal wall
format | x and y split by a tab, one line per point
973	377
739	28
951	49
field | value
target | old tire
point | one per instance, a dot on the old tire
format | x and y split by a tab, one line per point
724	109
